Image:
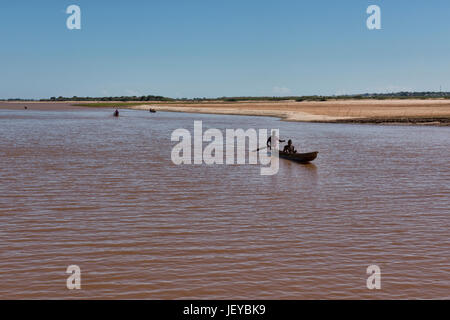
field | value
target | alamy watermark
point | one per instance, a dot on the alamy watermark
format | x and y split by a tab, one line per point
374	20
238	144
374	279
73	282
74	20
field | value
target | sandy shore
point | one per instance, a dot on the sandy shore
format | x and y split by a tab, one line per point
429	112
358	111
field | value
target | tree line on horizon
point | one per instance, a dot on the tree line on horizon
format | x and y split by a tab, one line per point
380	96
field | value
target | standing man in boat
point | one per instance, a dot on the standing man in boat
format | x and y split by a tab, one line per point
269	141
116	113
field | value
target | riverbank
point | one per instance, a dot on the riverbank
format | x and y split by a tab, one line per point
401	111
429	112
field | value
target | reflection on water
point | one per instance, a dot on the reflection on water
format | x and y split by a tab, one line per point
81	187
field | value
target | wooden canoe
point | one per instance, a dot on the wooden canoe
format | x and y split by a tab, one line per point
299	157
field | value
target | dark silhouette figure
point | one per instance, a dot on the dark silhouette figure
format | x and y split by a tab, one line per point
269	141
289	148
116	113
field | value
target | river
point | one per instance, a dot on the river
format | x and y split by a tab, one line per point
80	187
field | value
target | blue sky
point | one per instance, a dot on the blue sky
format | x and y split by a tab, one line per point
222	48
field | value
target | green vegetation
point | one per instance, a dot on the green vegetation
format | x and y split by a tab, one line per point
379	96
312	98
121	98
108	104
133	100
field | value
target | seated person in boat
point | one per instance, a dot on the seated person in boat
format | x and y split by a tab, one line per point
289	148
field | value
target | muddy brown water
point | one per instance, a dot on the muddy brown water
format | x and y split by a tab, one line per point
82	187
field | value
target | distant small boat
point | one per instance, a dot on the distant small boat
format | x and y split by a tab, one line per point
152	110
299	157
